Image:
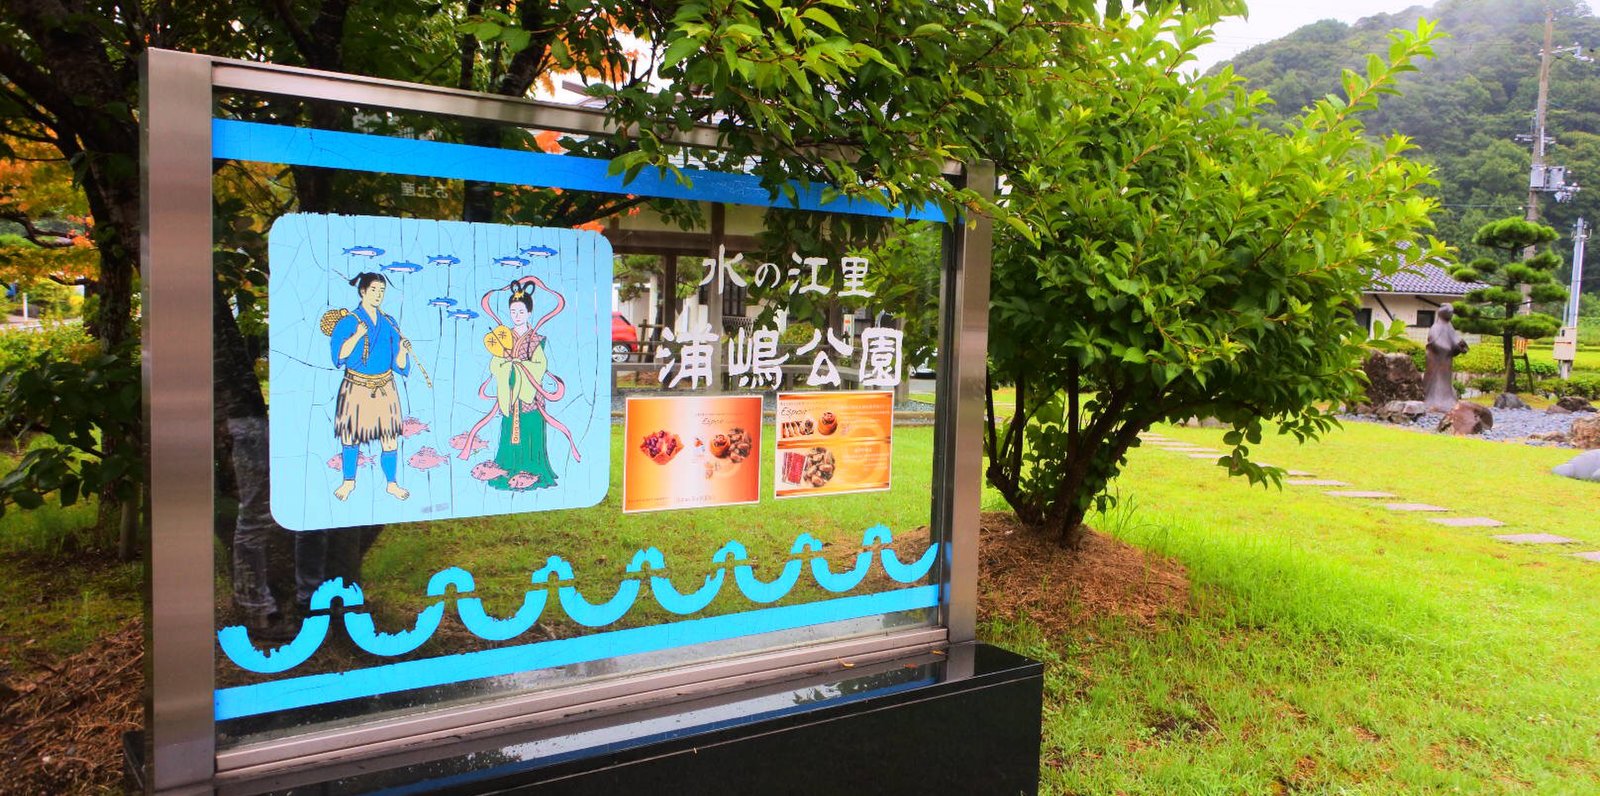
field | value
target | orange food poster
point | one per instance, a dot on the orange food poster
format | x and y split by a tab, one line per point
690	453
832	443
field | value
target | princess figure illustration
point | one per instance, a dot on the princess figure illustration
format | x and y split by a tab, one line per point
367	343
518	370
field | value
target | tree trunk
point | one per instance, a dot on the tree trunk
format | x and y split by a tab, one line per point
1507	341
113	198
128	530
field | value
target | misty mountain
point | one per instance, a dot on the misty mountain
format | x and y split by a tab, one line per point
1465	107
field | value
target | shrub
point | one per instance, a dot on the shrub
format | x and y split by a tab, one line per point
1581	386
1405	345
1486	384
20	348
1487	357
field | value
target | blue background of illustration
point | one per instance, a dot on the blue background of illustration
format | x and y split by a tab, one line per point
310	274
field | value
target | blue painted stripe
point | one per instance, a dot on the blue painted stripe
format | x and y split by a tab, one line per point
302	146
318	689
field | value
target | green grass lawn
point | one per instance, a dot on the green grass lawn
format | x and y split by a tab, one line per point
57	599
1333	646
1337	646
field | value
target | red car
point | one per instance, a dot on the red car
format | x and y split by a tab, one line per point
624	338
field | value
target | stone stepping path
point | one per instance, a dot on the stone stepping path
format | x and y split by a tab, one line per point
1535	538
1413	507
1304	478
1589	556
1466	522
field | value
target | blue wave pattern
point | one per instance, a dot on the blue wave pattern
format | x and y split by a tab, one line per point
236	644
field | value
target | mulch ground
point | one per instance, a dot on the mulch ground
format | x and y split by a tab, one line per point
61	727
1025	573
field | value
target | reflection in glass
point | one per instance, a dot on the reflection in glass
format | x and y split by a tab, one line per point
384	613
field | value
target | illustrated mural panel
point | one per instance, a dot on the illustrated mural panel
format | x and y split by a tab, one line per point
427	369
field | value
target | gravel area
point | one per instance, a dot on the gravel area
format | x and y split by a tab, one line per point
1509	424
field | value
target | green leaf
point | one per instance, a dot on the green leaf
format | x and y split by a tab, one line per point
817	15
679	50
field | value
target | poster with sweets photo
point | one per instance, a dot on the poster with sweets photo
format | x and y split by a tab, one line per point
833	443
691	452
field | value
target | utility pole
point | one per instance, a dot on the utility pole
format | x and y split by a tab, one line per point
1566	347
1536	181
1543	178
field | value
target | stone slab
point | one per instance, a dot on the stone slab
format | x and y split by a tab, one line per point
1413	507
1314	482
1593	555
1535	538
1356	493
1466	522
1299	474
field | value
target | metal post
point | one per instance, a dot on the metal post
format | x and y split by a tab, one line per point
719	236
175	250
963	376
1580	235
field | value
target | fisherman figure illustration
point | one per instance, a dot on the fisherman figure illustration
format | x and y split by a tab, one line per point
367	344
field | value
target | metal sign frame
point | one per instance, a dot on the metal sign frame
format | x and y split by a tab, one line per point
176	248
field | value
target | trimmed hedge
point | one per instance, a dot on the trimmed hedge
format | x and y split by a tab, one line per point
1487	358
1581	386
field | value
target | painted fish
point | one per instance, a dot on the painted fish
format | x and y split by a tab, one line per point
411	427
362	460
403	268
514	262
487	470
464	315
363	251
441	301
459	440
538	251
426	459
522	480
444	259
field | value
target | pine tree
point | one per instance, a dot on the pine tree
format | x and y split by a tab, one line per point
1492	310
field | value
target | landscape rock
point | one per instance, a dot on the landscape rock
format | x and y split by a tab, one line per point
1548	436
1402	411
1509	400
1574	403
1586	433
1557	409
1204	422
1467	418
1584	467
1392	377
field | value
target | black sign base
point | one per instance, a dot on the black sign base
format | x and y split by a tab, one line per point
966	721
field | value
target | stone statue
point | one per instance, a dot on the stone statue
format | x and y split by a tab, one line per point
1444	345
